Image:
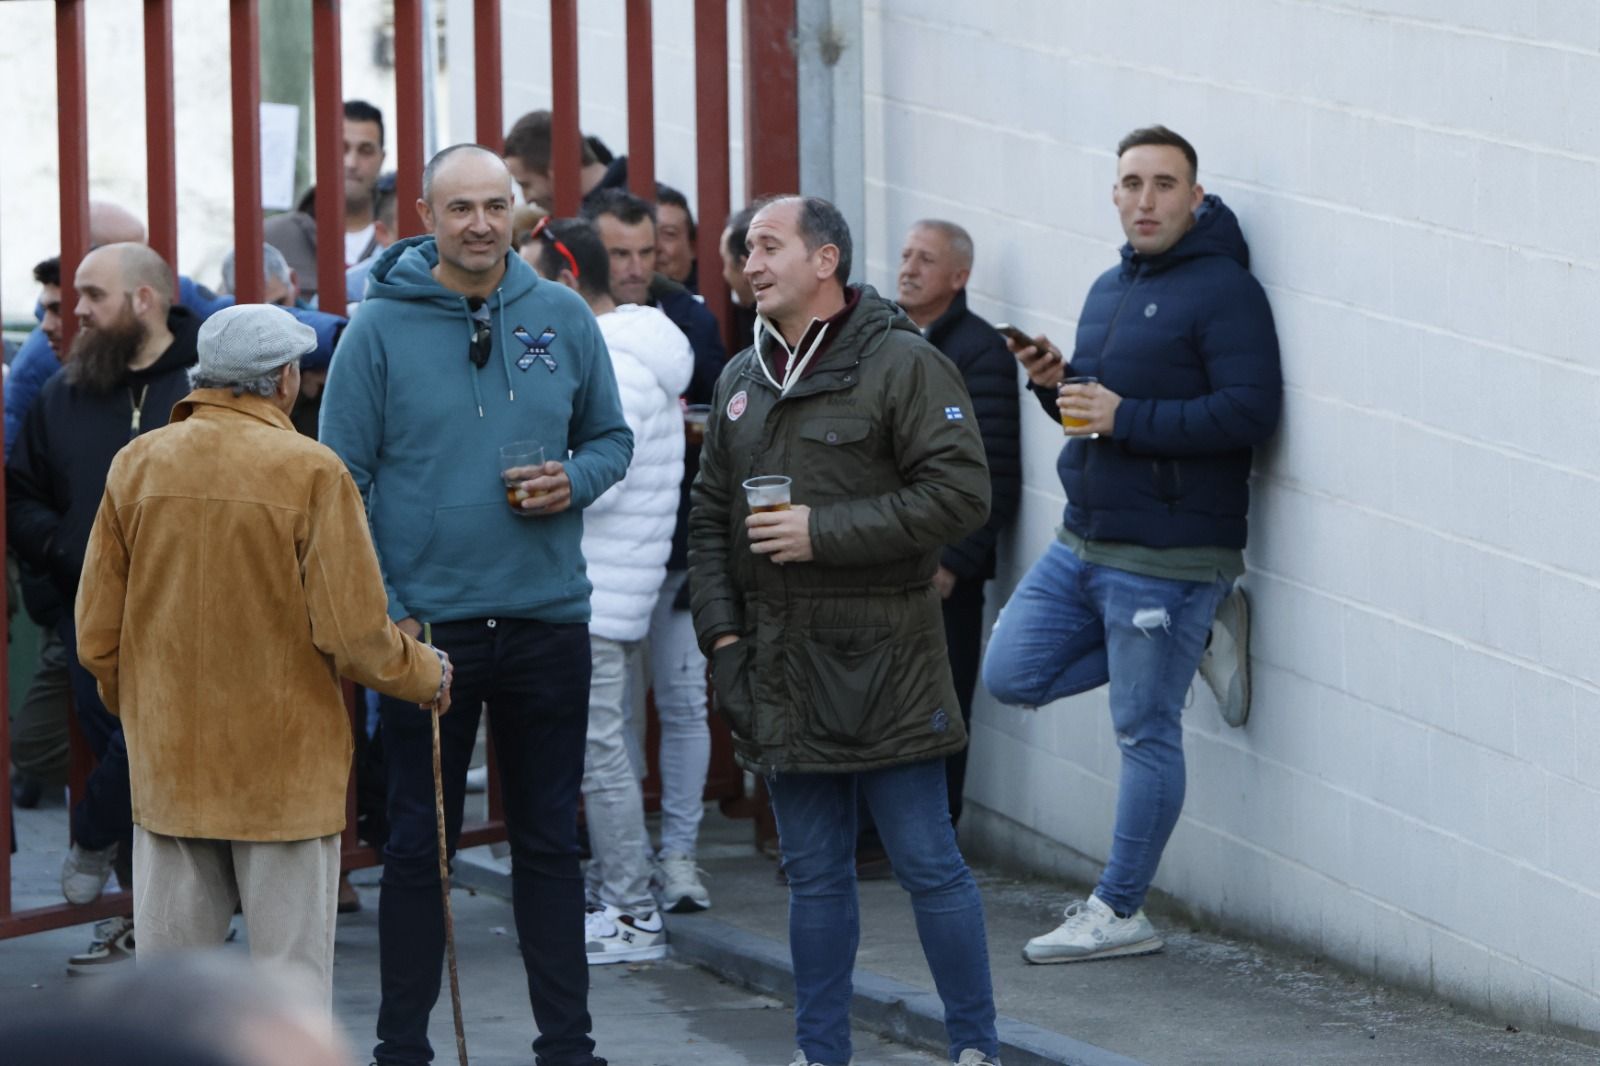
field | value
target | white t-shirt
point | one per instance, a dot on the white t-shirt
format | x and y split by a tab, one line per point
355	242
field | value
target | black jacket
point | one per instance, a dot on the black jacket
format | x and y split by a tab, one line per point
57	470
991	376
1186	338
705	338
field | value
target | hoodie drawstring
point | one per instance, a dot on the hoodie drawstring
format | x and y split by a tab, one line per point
505	358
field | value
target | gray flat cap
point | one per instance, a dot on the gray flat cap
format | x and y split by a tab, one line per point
248	341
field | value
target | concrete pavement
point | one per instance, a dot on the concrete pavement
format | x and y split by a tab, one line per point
660	1014
722	999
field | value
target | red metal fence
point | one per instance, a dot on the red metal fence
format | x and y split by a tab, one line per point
772	167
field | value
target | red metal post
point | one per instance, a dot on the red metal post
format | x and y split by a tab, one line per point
771	99
641	102
711	141
72	138
486	73
566	136
245	37
328	125
409	121
159	139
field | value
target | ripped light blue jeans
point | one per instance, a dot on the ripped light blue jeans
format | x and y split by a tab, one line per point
1072	626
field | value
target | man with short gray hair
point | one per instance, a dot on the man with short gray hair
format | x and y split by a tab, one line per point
239	549
935	263
280	284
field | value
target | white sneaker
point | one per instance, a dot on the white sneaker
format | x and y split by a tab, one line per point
1226	662
85	873
1093	931
973	1057
612	935
801	1060
682	891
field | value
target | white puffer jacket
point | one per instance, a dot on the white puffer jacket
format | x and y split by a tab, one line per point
627	532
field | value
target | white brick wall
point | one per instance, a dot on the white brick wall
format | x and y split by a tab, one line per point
1418	793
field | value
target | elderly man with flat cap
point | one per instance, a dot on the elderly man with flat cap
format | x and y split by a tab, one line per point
229	581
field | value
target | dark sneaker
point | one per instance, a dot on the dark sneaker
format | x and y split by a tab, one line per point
113	944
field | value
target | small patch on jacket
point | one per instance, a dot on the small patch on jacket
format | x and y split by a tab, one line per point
538	348
953	414
736	406
940	721
1149	310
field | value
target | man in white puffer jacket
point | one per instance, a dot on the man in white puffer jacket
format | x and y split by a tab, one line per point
627	536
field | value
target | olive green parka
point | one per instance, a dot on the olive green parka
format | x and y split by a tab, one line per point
841	663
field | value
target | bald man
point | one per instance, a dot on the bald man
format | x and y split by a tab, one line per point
126	367
38	360
459	351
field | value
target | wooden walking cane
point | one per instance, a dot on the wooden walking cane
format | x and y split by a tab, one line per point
444	876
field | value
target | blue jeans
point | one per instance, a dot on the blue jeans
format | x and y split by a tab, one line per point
817	831
535	678
1072	626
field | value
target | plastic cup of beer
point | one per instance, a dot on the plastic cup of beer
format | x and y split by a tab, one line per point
767	493
520	461
695	417
1069	422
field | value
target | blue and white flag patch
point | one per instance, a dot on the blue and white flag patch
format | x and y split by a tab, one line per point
538	348
954	414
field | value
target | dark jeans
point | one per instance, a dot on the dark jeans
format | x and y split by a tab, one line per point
104	816
535	679
963	634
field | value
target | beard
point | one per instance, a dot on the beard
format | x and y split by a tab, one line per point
99	357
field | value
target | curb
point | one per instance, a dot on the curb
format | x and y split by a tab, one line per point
900	1011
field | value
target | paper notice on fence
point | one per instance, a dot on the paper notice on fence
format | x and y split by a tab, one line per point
280	141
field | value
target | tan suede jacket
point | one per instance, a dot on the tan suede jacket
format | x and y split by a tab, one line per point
230	580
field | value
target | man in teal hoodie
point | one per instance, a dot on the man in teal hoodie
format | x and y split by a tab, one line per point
459	350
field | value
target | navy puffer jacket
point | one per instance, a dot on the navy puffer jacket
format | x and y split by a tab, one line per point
1186	339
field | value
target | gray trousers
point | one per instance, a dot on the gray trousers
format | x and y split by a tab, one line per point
185	889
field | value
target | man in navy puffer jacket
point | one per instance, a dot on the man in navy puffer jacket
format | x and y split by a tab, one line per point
1173	379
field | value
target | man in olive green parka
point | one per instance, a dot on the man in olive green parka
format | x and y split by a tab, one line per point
821	621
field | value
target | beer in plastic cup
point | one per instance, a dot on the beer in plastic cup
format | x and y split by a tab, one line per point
517	456
767	493
1069	422
695	417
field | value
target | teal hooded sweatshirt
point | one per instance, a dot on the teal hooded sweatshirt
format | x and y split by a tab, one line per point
420	428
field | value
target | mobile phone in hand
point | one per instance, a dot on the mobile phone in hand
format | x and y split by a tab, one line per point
1022	340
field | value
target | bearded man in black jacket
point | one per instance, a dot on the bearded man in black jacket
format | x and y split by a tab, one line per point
935	264
125	369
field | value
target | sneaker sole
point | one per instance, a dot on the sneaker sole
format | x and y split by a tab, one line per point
91	969
1143	947
688	905
650	954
